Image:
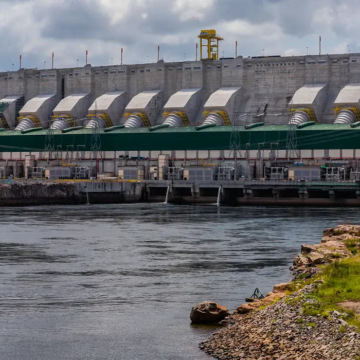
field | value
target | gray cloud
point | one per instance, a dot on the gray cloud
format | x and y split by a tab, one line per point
67	27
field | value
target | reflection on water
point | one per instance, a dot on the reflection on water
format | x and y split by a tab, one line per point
118	281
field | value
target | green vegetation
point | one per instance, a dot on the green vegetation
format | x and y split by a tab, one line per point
342	329
340	283
312	325
353	245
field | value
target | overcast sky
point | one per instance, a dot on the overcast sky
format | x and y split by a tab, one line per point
36	28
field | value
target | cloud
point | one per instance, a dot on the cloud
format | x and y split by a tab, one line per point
36	28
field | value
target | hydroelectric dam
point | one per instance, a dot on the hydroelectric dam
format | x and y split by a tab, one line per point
240	130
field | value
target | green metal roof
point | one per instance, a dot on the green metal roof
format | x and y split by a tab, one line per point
319	136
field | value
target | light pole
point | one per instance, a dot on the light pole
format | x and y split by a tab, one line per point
307	50
77	62
44	64
13	67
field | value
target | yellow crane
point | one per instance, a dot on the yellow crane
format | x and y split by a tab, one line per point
210	40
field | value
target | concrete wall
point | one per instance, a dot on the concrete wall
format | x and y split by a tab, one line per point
271	81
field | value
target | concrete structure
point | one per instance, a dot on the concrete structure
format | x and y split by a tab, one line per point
107	109
308	103
71	111
37	112
144	109
347	105
182	107
9	106
222	105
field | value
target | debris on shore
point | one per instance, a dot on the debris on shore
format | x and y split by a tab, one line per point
315	316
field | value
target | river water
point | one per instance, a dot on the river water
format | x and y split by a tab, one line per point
118	281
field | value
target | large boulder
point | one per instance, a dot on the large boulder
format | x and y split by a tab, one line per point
208	313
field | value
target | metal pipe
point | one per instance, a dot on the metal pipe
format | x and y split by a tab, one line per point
173	120
355	125
116	127
205	126
345	116
158	127
255	125
70	129
26	131
306	124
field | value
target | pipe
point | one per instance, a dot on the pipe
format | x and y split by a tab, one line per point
134	121
20	61
87	53
121	60
214	118
116	127
52	61
70	129
97	122
255	125
299	117
26	131
173	120
205	126
25	124
345	116
236	49
196	58
158	127
355	125
306	124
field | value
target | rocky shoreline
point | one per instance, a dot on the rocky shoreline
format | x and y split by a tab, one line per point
38	193
308	318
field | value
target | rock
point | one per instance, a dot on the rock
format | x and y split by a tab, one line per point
316	258
351	305
244	309
307	249
208	313
281	288
300	260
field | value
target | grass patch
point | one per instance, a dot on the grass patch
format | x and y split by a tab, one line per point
312	325
335	256
341	283
353	245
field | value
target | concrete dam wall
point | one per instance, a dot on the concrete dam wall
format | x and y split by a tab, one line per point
311	87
